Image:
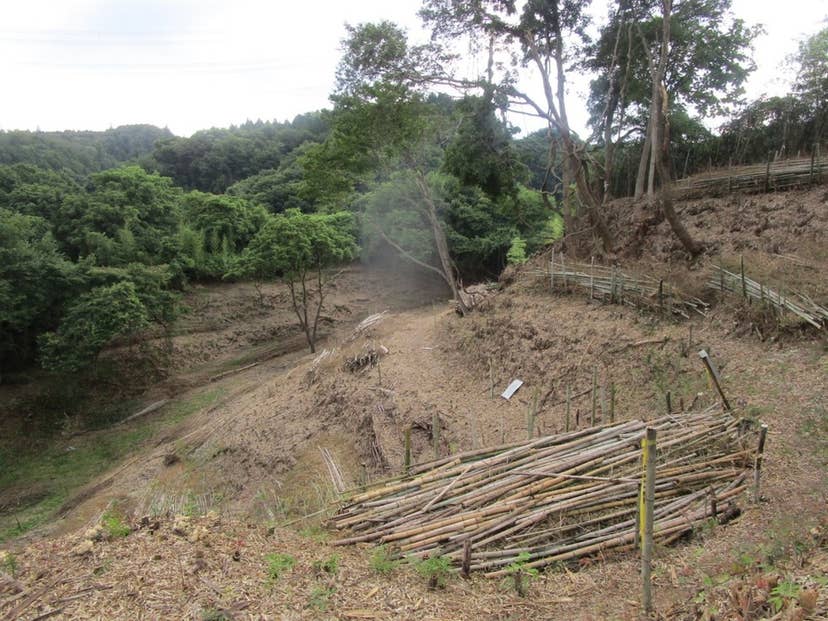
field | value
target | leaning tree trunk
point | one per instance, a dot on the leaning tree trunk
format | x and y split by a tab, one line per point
641	177
441	243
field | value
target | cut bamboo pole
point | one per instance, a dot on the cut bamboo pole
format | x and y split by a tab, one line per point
648	456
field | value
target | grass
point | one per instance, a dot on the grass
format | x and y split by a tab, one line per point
277	564
52	469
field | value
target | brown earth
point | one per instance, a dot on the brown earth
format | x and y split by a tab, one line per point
254	455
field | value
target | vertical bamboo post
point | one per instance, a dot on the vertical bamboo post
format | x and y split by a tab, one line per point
661	295
813	160
757	467
568	400
612	403
379	372
435	434
767	171
591	276
552	271
563	271
465	568
713	375
690	338
594	395
668	398
648	456
407	445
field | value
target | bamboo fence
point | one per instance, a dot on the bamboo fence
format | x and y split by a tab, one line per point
780	175
613	285
800	305
559	497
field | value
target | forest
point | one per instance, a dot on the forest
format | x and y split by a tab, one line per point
100	232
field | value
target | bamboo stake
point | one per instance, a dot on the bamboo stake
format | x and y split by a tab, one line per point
435	434
757	469
568	399
594	394
648	456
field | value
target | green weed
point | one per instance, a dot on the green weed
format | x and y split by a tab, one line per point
436	569
520	575
114	525
277	564
329	566
320	598
383	561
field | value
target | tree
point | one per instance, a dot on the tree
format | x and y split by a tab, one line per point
298	248
538	35
811	84
90	323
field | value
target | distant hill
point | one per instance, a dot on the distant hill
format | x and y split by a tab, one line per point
80	152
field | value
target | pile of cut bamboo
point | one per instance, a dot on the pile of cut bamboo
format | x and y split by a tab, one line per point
558	497
615	286
804	307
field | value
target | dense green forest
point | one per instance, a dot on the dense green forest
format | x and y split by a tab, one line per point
100	232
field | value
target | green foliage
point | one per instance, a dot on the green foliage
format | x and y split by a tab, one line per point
90	323
782	594
215	159
436	569
517	251
79	152
320	598
383	560
114	526
519	574
277	564
214	614
329	566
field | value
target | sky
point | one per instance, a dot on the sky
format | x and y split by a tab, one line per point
195	64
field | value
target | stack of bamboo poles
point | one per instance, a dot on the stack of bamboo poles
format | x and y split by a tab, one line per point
804	308
615	286
558	497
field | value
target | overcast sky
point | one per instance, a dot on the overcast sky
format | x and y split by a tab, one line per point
194	64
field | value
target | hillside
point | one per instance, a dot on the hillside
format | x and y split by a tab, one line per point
243	465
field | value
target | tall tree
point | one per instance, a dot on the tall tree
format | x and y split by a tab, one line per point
298	248
538	35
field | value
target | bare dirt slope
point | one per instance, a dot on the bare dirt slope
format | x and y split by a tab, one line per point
254	457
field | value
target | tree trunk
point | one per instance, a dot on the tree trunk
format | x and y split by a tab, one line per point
440	242
641	177
661	138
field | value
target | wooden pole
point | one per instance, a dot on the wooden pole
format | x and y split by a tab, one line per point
407	443
713	374
757	468
591	276
648	454
552	271
767	171
465	569
668	398
568	403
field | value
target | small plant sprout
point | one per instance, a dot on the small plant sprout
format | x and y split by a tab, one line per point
520	574
782	594
383	561
8	563
320	598
436	569
114	525
329	565
277	564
